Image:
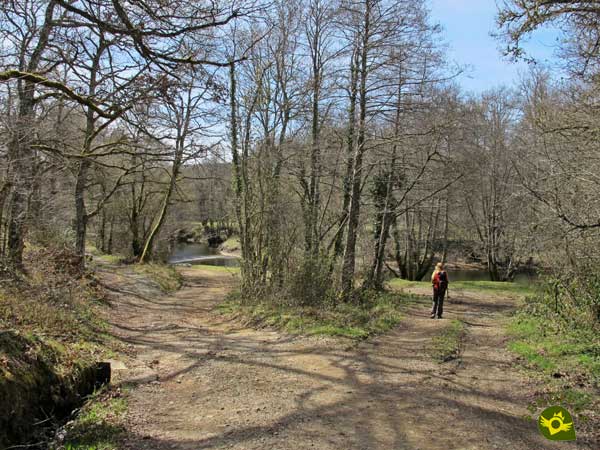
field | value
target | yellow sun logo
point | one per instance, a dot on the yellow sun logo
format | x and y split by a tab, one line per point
556	423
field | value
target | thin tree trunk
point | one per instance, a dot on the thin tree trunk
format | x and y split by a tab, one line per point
21	157
349	261
109	245
4	193
446	222
101	240
313	244
239	182
149	245
81	217
339	240
137	245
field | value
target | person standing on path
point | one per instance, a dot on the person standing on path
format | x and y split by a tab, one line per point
439	280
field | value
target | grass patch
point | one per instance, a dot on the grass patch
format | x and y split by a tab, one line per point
110	259
575	400
400	283
562	352
376	314
166	277
550	346
98	426
448	345
497	287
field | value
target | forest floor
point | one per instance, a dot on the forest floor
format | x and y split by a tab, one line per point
202	381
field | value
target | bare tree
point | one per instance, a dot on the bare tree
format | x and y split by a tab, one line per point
182	116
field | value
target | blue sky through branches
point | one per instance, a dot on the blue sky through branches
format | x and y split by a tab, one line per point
467	25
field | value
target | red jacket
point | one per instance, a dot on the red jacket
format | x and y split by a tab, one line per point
436	280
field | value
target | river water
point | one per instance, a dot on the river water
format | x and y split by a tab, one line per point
184	253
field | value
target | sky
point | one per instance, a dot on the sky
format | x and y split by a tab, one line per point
466	29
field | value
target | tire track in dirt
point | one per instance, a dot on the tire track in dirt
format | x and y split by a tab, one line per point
202	382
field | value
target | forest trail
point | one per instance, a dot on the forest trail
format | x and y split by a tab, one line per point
202	382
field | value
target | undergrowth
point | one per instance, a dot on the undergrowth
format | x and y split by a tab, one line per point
54	303
98	425
554	344
231	245
559	346
52	333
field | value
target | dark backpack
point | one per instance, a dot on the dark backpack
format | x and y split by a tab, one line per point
443	279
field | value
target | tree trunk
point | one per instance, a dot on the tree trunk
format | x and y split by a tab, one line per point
101	239
20	153
4	194
446	223
21	158
148	246
349	261
339	239
109	245
81	217
136	241
238	181
313	244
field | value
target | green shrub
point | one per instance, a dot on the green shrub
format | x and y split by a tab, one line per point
312	283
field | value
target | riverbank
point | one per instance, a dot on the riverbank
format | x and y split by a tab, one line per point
232	247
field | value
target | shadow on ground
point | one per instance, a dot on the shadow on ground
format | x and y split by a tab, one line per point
204	382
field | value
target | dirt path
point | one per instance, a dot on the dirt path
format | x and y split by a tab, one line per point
204	383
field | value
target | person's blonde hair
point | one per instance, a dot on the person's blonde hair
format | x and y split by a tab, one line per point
438	268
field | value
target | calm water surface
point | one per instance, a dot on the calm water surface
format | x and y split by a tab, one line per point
184	253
